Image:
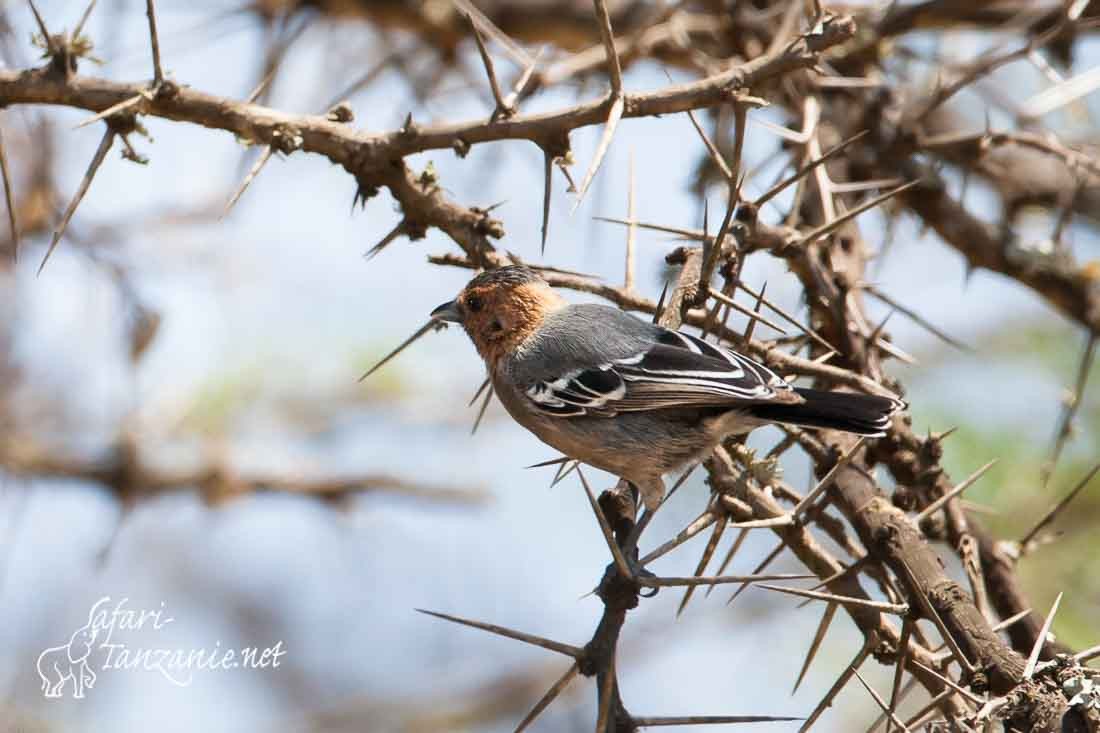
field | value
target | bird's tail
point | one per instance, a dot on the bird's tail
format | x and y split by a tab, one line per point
862	414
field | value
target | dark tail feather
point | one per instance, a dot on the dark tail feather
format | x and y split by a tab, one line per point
862	414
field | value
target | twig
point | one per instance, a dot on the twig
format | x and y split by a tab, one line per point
785	316
675	487
254	171
524	78
842	680
878	699
79	28
801	172
481	410
1062	94
903	694
520	57
605	528
613	117
631	229
695	580
430	325
704	560
93	167
733	185
897	608
550	644
754	315
9	199
899	669
551	695
541	464
693	234
113	109
150	11
932	705
1087	655
780	520
564	470
768	560
606	693
1000	626
949	682
700	523
502	109
1058	507
614	68
931	613
836	223
750	327
653	722
802	506
400	229
819	636
1065	426
46	37
941	501
1041	641
730	555
712	149
480	390
914	316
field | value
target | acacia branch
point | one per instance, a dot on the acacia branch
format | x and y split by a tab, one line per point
357	149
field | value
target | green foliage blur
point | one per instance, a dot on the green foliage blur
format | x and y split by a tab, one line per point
1047	353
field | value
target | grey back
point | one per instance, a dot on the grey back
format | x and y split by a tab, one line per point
578	337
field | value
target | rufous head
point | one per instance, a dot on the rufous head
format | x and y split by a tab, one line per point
500	309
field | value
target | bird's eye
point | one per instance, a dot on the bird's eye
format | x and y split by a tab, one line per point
473	303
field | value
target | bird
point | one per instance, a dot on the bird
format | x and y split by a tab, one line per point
627	396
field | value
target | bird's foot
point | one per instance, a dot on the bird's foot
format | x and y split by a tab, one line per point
615	585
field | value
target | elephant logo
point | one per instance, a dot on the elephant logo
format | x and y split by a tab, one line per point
59	664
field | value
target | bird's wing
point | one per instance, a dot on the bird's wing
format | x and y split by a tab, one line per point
677	370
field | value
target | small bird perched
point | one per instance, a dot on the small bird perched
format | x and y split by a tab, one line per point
626	396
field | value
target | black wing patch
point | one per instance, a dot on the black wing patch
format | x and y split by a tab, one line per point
679	370
579	392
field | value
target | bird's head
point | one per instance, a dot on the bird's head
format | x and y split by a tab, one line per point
500	309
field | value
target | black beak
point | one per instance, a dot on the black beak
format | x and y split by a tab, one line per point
447	312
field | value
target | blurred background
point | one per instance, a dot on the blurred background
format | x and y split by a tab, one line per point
295	505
